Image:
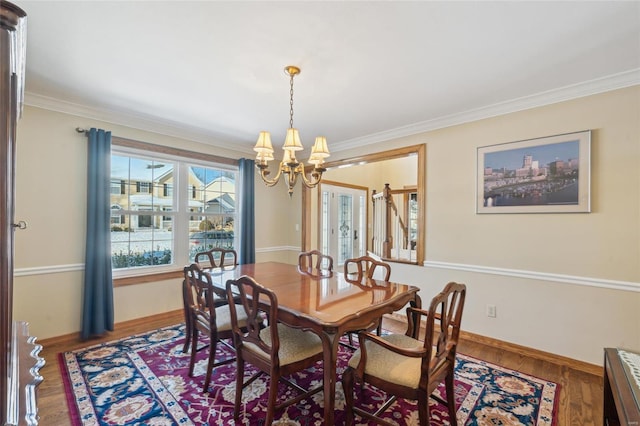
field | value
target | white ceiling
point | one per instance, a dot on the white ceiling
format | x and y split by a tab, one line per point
212	71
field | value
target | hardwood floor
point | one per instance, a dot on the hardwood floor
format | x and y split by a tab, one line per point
580	401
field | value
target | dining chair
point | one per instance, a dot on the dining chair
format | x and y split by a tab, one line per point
315	262
218	257
219	299
365	267
277	350
361	270
410	365
208	318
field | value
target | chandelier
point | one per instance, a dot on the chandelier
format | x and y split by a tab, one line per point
290	167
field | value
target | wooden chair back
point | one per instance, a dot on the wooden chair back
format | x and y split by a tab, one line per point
364	267
439	329
201	300
258	302
315	262
200	294
217	257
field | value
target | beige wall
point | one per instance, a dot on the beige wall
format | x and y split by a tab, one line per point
50	253
563	283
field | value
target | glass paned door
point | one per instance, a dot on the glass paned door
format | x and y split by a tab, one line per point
343	218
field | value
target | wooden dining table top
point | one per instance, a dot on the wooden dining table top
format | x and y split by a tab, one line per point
332	301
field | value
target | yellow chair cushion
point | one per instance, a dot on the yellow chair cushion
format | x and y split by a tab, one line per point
390	366
223	318
295	344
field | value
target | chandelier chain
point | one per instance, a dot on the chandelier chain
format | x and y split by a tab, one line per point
291	104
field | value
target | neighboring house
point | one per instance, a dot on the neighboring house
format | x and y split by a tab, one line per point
223	200
145	191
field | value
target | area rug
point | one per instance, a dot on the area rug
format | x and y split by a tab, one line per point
143	380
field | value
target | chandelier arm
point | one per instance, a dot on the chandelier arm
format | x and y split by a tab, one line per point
316	176
271	182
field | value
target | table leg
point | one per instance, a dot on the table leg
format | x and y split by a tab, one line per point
330	355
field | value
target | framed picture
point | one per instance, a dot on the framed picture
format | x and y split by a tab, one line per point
544	175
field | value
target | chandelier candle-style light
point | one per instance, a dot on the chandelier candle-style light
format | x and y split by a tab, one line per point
290	167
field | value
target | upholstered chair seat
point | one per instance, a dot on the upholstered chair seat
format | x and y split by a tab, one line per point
223	318
391	366
295	344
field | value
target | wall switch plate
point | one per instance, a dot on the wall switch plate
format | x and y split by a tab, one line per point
491	311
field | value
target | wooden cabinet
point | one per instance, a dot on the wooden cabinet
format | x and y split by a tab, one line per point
20	363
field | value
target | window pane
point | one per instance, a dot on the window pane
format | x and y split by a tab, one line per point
119	179
325	222
213	197
345	223
144	184
132	247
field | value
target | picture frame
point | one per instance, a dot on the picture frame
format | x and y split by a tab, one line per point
551	174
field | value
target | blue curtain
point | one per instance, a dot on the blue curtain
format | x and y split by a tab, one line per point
97	310
247	249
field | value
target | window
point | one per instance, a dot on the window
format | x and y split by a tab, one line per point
167	190
167	208
144	187
117	187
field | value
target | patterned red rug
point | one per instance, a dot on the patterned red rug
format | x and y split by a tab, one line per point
143	380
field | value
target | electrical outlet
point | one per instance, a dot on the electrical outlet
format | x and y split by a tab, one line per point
491	311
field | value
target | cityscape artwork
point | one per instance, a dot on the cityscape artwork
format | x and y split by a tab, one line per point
544	175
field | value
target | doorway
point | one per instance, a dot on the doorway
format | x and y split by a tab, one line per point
343	218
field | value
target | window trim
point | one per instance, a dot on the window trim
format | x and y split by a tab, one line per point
144	274
170	151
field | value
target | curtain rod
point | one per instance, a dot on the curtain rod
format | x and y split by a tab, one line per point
131	143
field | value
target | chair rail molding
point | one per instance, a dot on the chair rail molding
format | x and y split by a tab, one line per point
519	273
541	276
44	270
278	248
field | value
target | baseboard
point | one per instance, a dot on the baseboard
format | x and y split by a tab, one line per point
72	338
523	350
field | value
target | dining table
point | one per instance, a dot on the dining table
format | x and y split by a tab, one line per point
328	304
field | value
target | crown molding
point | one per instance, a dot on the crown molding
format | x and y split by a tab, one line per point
179	130
592	87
